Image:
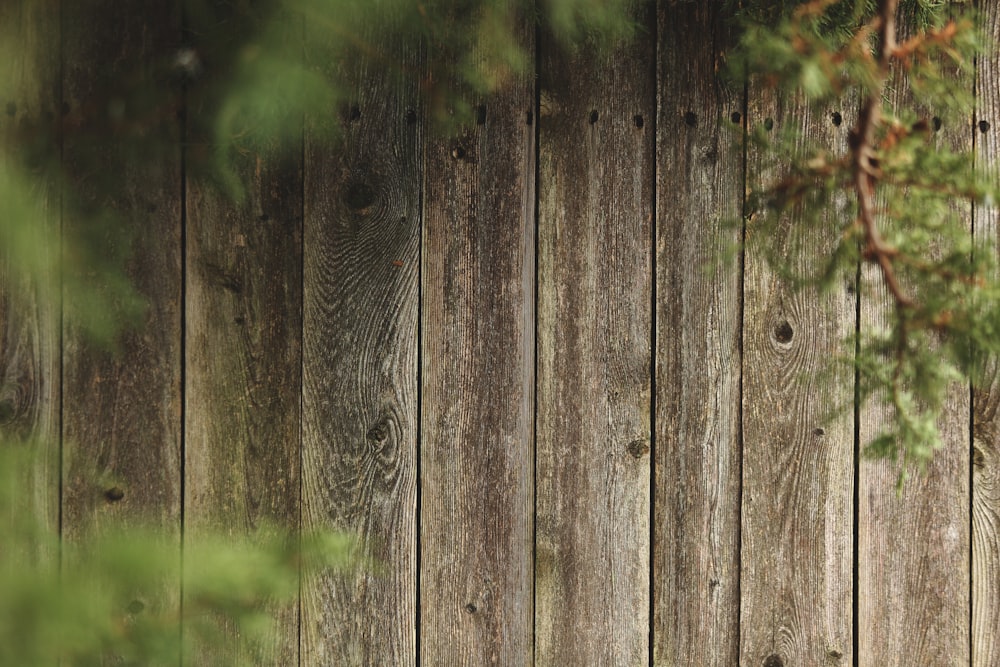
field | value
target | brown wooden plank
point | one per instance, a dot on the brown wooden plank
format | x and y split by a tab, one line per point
359	420
699	184
122	404
798	463
914	546
596	143
986	397
478	384
29	284
243	314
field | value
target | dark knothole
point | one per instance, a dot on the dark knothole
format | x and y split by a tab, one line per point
471	608
818	432
690	119
638	448
836	118
530	118
768	124
135	606
984	127
936	123
359	197
114	494
593	116
774	660
481	114
411	116
736	117
458	152
783	332
355	113
638	121
379	432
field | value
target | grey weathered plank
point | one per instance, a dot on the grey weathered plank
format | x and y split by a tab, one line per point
478	384
360	321
696	532
596	174
29	284
914	546
243	326
122	405
986	396
797	530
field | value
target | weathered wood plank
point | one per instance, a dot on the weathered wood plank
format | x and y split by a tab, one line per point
122	406
243	313
360	326
914	546
986	396
29	284
596	144
798	461
699	185
478	384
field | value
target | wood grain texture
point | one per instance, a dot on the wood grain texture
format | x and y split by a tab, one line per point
798	450
914	546
986	396
478	384
122	405
30	334
699	185
243	361
360	327
596	143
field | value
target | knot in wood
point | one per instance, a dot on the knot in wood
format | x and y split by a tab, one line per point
774	660
638	448
379	432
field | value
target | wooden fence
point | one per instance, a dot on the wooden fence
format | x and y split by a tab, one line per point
512	364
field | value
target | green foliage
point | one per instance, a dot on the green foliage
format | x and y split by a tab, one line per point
115	594
896	200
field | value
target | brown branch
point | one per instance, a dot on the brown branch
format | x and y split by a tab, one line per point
866	169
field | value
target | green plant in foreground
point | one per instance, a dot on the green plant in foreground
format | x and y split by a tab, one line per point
117	594
908	196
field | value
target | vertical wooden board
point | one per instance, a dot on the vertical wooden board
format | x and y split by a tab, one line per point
243	361
122	406
986	396
596	173
478	384
798	448
360	329
699	188
29	302
914	545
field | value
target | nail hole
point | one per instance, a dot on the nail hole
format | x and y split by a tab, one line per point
836	118
774	660
690	118
735	117
114	494
638	120
768	124
481	114
593	116
936	123
530	118
783	332
984	126
411	116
